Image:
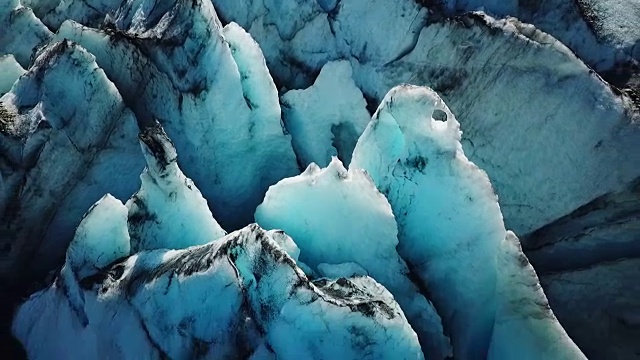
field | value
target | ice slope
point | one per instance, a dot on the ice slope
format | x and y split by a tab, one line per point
208	87
327	118
608	293
10	71
336	217
525	327
162	214
239	297
604	33
100	239
510	84
605	230
450	227
64	130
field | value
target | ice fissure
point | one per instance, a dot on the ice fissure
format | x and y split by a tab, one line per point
319	179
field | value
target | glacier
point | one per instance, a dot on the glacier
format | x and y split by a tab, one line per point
242	295
319	179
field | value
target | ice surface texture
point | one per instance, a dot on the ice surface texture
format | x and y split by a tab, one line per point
403	255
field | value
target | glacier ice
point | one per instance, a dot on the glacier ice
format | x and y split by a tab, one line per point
248	288
21	32
414	245
608	293
327	118
183	72
60	141
529	107
445	207
337	217
88	12
602	32
523	315
346	269
100	239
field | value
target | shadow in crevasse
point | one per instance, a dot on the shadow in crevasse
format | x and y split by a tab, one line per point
10	298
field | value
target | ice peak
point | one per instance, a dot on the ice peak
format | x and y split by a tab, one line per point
420	110
100	239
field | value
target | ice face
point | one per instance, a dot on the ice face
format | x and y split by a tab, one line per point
451	233
100	239
525	327
22	31
606	291
449	222
10	71
87	12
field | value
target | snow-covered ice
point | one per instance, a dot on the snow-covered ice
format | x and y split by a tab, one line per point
327	118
